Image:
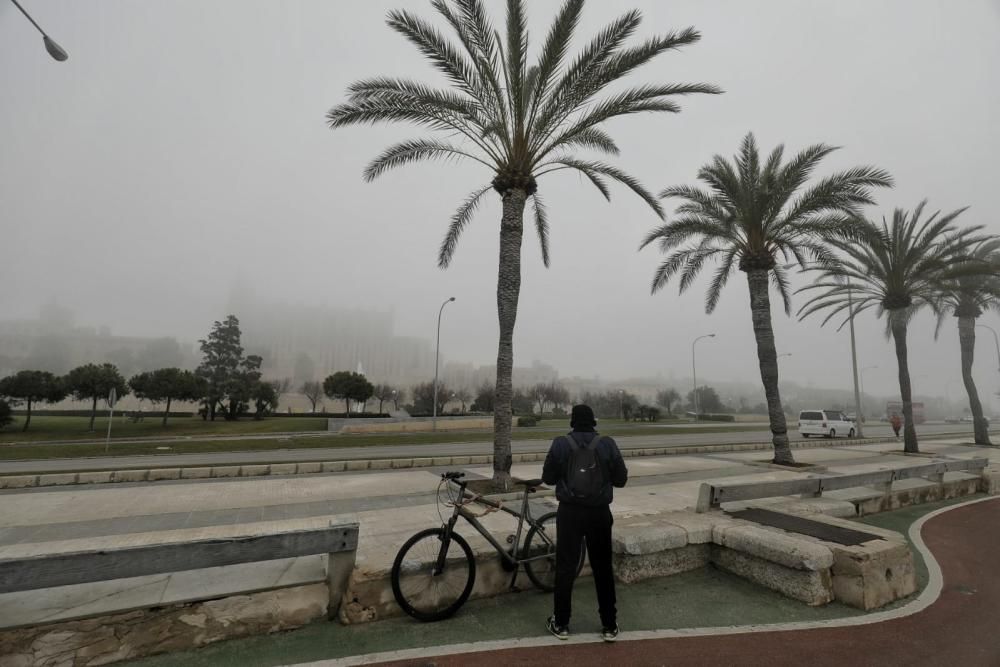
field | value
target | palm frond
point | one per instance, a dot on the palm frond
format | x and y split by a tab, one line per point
541	226
611	172
458	222
412	151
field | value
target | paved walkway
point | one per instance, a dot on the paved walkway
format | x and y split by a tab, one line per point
956	628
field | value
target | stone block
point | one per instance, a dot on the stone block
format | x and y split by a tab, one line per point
356	465
57	479
645	535
157	474
461	460
308	468
782	548
102	477
283	468
632	568
814	587
333	466
402	463
196	473
872	575
226	471
990	481
255	470
697	525
129	475
480	460
441	461
380	464
422	463
18	481
115	637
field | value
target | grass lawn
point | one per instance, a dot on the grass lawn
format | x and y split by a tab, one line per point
43	427
545	430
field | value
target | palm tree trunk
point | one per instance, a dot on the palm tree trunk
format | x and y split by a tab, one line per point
508	291
967	342
767	357
898	320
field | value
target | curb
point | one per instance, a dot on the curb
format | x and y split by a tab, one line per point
353	465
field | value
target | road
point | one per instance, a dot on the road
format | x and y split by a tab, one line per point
409	451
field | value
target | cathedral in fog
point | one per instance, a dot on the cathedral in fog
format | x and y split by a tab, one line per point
307	342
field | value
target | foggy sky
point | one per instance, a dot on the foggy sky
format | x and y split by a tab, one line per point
182	149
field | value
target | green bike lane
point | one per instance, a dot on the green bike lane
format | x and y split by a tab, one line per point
706	598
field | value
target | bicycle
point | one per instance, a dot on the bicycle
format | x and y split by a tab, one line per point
435	570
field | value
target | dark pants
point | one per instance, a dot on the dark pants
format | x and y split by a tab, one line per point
573	524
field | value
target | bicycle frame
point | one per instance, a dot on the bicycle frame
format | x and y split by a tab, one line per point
512	557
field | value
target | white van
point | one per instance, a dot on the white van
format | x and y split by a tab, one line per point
827	423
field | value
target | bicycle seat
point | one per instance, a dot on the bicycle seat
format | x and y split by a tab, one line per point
531	484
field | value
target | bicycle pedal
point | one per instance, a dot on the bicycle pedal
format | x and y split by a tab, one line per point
510	539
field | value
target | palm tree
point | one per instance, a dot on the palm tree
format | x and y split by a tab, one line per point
519	122
967	297
751	214
896	268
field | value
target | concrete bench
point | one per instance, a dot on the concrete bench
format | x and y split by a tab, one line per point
711	496
110	598
801	567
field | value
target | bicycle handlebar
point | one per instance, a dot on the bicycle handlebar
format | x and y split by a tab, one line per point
452	475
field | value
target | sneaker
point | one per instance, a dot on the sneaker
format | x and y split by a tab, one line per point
610	634
558	631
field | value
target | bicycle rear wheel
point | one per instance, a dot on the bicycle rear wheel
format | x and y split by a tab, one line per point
541	540
424	594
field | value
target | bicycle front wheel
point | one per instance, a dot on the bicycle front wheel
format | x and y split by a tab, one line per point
541	541
423	593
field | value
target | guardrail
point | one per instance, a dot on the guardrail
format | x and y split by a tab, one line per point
62	569
711	496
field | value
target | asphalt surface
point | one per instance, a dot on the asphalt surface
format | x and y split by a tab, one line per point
957	629
167	460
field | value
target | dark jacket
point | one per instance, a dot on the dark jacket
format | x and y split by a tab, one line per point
612	464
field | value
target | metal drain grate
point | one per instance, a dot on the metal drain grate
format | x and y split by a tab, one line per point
797	524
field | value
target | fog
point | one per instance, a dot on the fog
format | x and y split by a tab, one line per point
179	163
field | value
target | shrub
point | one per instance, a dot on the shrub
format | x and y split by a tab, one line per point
5	414
527	421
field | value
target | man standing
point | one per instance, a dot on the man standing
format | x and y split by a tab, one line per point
584	466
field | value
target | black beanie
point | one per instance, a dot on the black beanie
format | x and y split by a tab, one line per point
582	417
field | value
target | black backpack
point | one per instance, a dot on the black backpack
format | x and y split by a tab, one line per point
584	472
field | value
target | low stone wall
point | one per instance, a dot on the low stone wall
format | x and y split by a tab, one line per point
407	425
115	637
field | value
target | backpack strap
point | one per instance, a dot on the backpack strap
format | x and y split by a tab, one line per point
576	444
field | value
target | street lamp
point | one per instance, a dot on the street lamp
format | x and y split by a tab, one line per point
854	349
996	341
862	384
54	49
694	371
437	359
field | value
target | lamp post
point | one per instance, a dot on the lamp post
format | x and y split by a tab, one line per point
996	341
437	359
54	49
694	372
854	350
861	378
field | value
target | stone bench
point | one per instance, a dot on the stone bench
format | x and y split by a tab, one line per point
109	598
801	567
